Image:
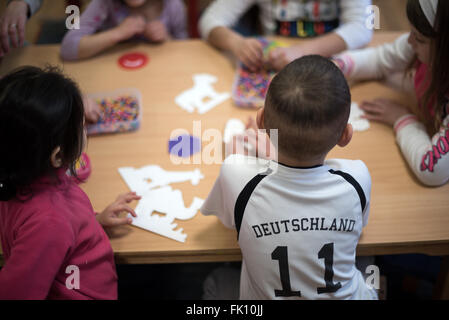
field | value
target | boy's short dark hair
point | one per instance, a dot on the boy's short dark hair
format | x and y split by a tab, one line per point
40	109
309	103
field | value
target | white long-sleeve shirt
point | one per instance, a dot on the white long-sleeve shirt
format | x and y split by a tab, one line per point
352	15
427	156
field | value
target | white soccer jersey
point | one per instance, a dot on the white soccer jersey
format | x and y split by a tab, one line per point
298	228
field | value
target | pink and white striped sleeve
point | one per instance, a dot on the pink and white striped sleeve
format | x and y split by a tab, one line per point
428	157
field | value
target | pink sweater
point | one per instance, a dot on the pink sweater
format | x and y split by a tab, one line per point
42	236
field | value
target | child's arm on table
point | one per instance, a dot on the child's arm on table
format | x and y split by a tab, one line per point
215	27
326	46
428	157
378	62
350	35
247	50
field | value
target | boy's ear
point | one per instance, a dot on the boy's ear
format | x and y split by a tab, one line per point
346	136
55	158
260	118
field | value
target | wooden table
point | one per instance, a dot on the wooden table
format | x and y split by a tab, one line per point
406	217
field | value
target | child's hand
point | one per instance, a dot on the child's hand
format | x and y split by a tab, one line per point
249	52
12	26
131	26
92	110
252	143
110	216
280	57
383	110
156	31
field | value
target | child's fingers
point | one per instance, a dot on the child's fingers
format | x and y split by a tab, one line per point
131	197
371	107
115	222
13	35
256	50
125	208
21	29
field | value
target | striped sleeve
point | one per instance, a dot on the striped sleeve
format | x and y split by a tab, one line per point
428	157
378	62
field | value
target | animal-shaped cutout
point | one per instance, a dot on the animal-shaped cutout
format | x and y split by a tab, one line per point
170	202
202	96
157	196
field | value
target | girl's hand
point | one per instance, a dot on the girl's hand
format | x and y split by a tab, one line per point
156	31
131	26
12	26
110	216
280	57
249	52
92	110
383	110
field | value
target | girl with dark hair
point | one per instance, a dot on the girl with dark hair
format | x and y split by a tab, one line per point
105	23
423	132
48	227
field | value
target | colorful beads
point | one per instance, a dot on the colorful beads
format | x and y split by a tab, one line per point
117	115
250	88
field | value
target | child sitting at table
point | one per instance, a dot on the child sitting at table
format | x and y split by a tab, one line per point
330	26
422	133
298	220
48	228
120	20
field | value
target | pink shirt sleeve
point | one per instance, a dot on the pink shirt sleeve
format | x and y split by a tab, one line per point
91	21
38	252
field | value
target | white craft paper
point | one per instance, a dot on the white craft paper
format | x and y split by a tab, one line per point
355	118
158	196
202	96
138	180
170	202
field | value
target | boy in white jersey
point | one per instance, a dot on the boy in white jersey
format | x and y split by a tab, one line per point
299	219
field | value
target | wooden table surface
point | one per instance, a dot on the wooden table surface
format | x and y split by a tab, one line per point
405	217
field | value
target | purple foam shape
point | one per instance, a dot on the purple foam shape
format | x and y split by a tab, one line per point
184	146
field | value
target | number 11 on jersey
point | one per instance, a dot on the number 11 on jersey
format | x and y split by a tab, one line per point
326	253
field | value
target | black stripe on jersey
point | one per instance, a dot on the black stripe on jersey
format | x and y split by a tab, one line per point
243	198
355	184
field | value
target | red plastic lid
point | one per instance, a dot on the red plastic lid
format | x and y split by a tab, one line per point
134	60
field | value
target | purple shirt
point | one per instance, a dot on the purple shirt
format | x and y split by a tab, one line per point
102	15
